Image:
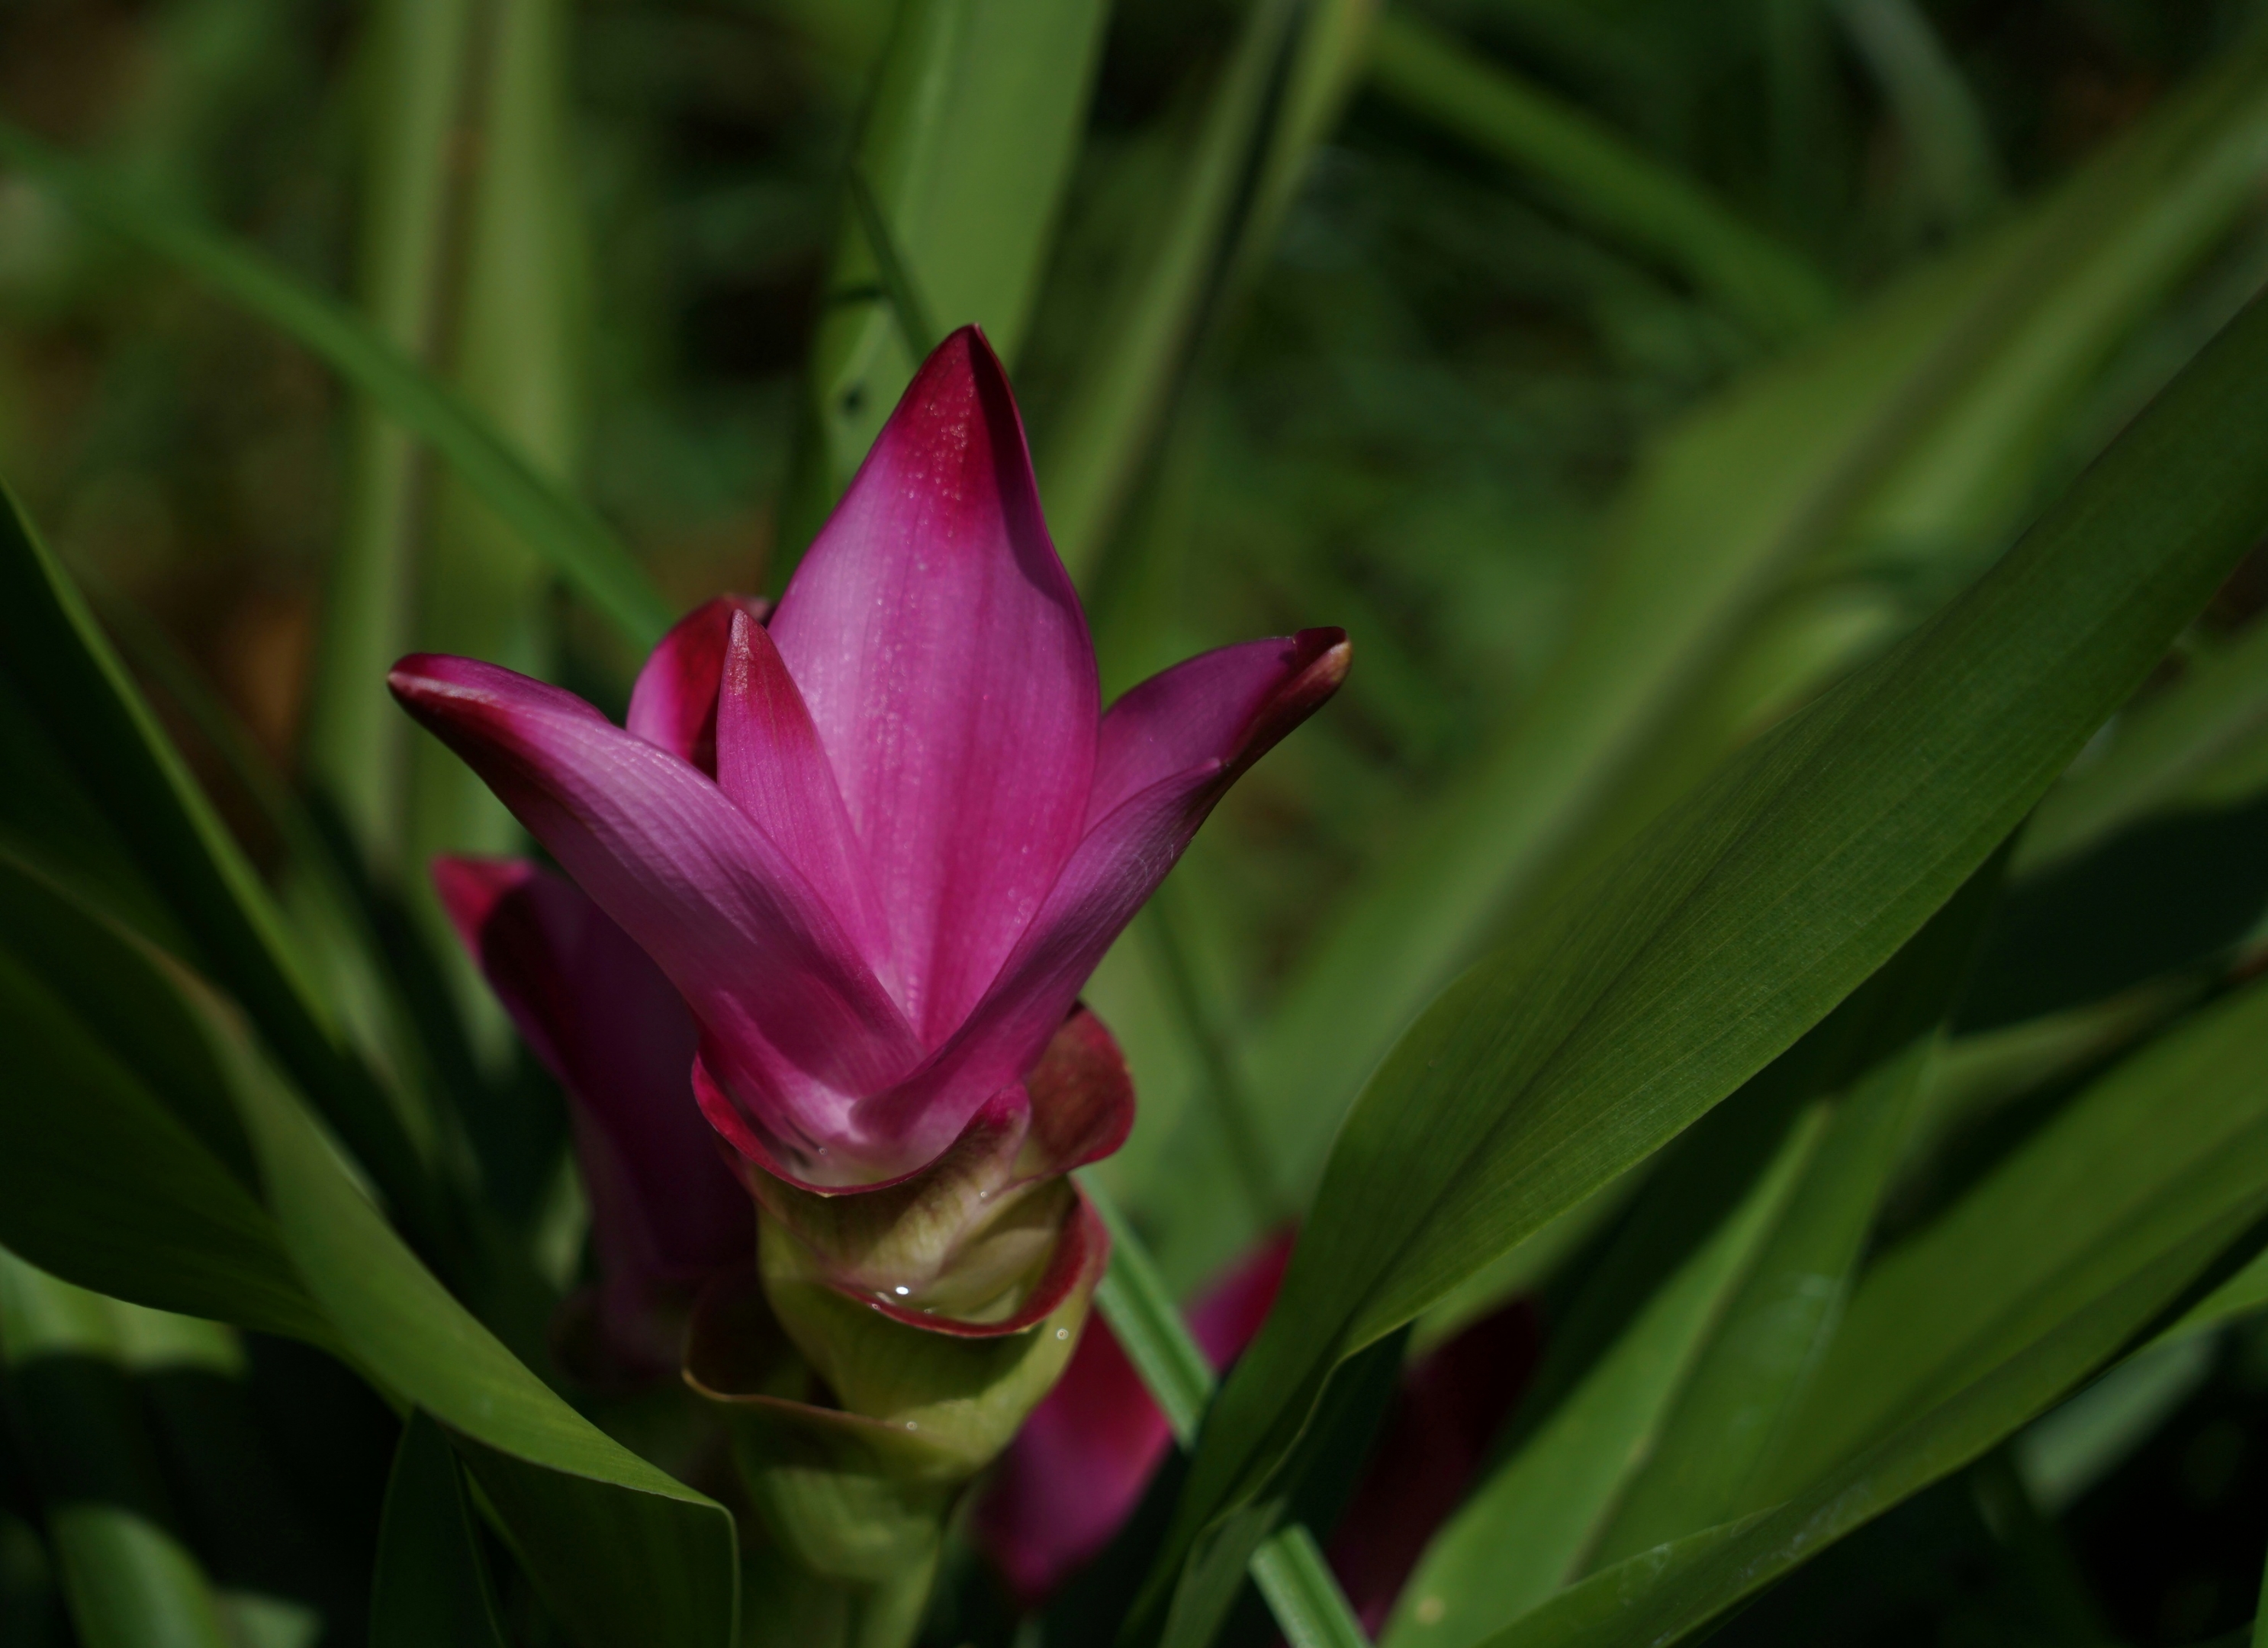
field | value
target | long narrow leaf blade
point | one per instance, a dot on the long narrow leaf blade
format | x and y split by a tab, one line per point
586	553
65	670
1742	918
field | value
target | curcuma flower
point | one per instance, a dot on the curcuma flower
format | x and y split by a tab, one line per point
879	844
876	841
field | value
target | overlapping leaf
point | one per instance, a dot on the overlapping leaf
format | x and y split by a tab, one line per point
1739	920
1912	434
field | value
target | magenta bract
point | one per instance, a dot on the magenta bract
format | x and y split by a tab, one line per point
881	854
667	1212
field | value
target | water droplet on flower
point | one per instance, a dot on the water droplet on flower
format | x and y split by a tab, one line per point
911	1426
1063	1333
902	1291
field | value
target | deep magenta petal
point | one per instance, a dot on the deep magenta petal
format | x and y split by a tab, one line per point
941	647
1124	857
1229	705
666	1211
674	703
768	761
798	1020
1078	1468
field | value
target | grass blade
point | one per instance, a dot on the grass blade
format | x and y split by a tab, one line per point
563	529
1090	462
431	1589
1306	1601
356	737
520	316
1599	176
975	119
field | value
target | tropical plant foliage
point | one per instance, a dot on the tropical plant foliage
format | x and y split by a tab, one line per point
1746	1013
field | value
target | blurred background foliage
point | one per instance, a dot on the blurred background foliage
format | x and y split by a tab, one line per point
1619	374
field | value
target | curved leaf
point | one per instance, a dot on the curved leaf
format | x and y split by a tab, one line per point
563	529
976	115
1912	436
128	1575
625	1554
431	1586
1671	1591
121	1167
1705	949
1602	177
120	1189
2174	1138
59	662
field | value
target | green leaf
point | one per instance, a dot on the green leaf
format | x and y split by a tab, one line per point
65	672
2066	1451
357	738
976	115
587	555
2156	758
121	1165
130	1579
1913	435
1302	1593
623	1553
1873	1054
1708	946
1091	457
1312	1491
1599	176
1947	147
1148	1325
276	1582
520	314
1670	1592
2242	1294
431	1589
122	1189
1526	1530
2173	1139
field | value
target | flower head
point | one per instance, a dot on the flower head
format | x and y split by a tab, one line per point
878	844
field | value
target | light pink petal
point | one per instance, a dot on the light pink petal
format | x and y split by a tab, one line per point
674	703
1124	857
941	649
769	763
1079	1467
798	1022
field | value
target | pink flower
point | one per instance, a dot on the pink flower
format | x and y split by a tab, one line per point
667	1213
878	845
